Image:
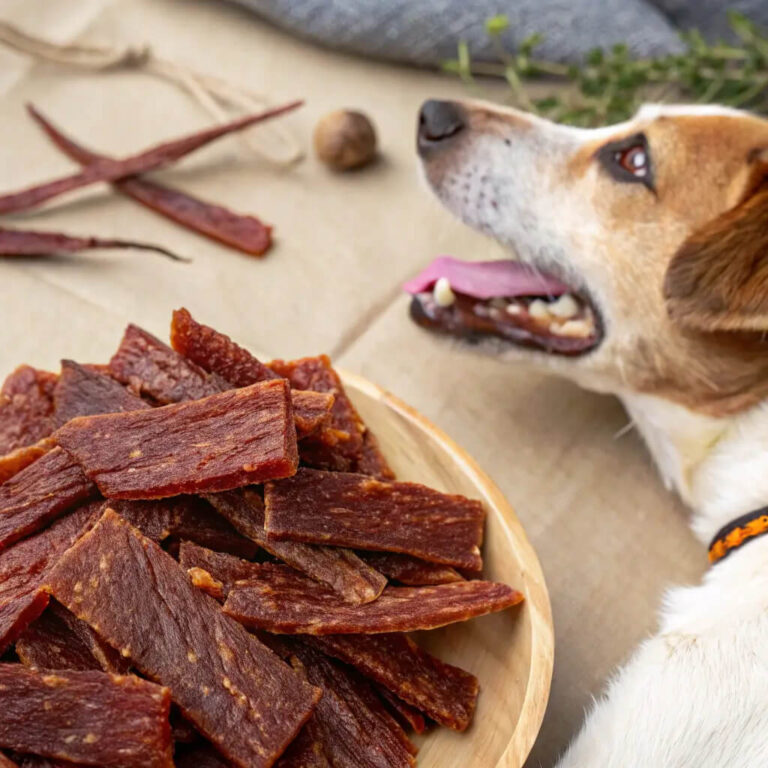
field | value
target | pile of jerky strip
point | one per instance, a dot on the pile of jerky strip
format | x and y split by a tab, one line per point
206	561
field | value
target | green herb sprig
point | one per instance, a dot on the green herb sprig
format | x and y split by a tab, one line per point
609	86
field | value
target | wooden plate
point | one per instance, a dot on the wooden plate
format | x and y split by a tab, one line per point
512	652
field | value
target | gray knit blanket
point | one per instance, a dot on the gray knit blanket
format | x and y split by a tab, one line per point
426	31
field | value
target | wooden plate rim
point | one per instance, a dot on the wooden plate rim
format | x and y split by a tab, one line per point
535	588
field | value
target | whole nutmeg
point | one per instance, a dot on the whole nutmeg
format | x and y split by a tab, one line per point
345	139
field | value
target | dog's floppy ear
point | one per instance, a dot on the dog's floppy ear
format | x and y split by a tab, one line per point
718	279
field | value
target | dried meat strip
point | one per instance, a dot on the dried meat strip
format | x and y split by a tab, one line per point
246	233
82	391
356	730
409	570
40	493
239	695
215	352
185	517
92	718
26	408
152	368
201	756
280	599
371	460
221	442
350	510
12	463
24	566
213	572
340	447
307	750
218	355
311	412
404	713
108	169
445	693
59	640
341	569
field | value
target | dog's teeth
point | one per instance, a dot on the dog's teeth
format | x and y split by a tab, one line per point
574	328
513	309
442	293
538	310
565	307
498	303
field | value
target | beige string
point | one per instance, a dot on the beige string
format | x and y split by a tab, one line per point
220	99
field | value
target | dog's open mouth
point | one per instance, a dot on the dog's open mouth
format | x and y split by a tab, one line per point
507	300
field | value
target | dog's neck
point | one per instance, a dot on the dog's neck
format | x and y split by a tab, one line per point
719	466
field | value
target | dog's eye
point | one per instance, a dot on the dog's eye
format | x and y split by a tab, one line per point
628	159
634	159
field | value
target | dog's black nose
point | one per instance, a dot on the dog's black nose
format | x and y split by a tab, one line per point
438	122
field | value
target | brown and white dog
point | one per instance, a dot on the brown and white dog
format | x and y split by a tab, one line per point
648	244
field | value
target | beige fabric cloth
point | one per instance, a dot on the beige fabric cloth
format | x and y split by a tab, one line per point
610	538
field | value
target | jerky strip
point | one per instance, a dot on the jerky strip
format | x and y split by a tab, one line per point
82	391
27	242
23	568
235	691
12	463
311	411
152	368
340	447
215	352
410	570
341	569
280	599
201	756
111	170
371	461
147	365
39	493
447	694
356	730
307	750
213	572
26	407
88	717
405	714
220	442
349	510
246	233
59	640
185	517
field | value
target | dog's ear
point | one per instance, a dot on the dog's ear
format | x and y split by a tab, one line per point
718	279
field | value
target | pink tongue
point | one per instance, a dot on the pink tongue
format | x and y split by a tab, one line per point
487	279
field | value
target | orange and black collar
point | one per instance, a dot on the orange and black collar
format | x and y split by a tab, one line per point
738	532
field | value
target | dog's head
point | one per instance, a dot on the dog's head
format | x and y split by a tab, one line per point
648	242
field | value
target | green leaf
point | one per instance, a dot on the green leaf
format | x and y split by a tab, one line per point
595	57
465	61
497	24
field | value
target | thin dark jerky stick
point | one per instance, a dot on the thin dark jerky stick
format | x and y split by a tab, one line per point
151	159
25	242
245	233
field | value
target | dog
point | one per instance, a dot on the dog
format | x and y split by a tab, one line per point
641	270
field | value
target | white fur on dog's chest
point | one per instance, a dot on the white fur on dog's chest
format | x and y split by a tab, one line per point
695	695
